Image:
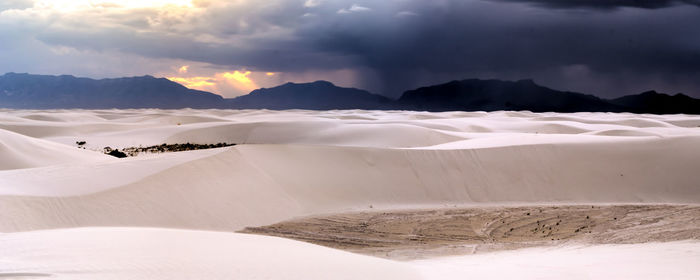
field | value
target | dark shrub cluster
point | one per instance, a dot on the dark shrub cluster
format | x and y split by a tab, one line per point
163	148
114	153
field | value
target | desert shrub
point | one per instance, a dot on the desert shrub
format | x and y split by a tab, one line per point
115	153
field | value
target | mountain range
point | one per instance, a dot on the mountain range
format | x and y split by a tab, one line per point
28	91
57	92
319	95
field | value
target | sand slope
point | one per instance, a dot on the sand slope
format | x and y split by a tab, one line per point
73	179
19	151
129	253
676	260
251	185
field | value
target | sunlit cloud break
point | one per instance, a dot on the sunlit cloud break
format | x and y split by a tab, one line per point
201	83
225	83
240	78
67	5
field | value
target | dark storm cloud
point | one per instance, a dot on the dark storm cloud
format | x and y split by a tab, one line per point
608	4
601	47
457	39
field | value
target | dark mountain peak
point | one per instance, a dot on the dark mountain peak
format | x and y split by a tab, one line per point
323	83
493	95
66	91
318	95
650	93
319	83
322	87
658	103
139	78
653	95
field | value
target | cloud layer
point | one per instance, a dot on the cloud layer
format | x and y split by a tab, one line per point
609	48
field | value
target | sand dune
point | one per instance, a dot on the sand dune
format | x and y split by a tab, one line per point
120	128
261	184
676	260
19	151
90	177
129	253
293	164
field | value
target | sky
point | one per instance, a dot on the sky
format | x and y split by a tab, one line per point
608	48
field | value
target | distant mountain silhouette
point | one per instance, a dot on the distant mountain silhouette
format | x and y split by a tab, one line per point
659	103
49	92
319	95
44	92
494	95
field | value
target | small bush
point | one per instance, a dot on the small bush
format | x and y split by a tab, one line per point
117	153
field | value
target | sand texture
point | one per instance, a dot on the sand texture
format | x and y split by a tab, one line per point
407	234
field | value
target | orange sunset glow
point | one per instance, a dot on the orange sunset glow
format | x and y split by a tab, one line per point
68	5
226	83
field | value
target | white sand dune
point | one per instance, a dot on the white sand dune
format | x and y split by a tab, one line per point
298	163
130	253
149	253
261	184
120	128
673	260
389	135
89	177
19	151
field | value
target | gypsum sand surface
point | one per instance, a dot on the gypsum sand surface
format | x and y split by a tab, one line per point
417	234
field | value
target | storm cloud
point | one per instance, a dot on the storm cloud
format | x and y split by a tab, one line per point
609	4
608	48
